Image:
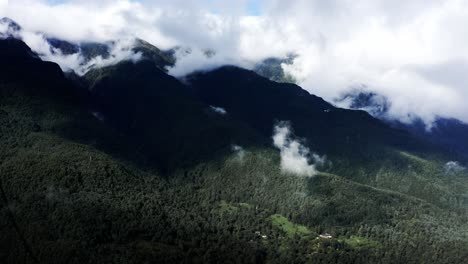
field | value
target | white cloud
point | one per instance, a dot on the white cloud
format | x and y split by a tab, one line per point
7	29
218	110
294	156
198	60
453	167
378	45
118	51
411	51
239	152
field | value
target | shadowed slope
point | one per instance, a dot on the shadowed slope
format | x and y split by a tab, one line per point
260	103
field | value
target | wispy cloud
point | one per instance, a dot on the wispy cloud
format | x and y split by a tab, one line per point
218	110
119	50
239	152
295	157
453	167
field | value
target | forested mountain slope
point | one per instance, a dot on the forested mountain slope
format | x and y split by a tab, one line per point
136	167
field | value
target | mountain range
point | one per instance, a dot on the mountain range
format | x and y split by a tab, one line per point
449	133
128	164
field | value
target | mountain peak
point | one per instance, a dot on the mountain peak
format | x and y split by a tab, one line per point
15	49
9	28
375	104
11	23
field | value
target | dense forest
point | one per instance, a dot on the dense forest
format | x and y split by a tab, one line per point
129	165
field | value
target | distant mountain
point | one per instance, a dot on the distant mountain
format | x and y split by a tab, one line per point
162	59
91	50
272	69
9	27
447	132
14	49
450	133
371	102
65	47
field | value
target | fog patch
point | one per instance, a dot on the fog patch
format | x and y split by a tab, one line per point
295	158
218	110
239	152
99	116
202	60
8	28
453	167
119	50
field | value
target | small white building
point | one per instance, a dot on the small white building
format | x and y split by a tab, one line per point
326	236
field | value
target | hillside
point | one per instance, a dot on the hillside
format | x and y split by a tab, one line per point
134	166
161	117
261	102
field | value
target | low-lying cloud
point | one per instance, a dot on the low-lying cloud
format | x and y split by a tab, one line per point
218	110
295	157
118	50
453	167
413	52
239	152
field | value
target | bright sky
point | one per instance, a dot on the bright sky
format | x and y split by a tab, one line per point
253	7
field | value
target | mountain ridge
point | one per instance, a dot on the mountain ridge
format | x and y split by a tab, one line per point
449	133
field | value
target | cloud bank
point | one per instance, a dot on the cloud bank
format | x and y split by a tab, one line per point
413	52
118	50
295	158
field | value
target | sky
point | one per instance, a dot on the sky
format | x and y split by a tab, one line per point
415	52
253	7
